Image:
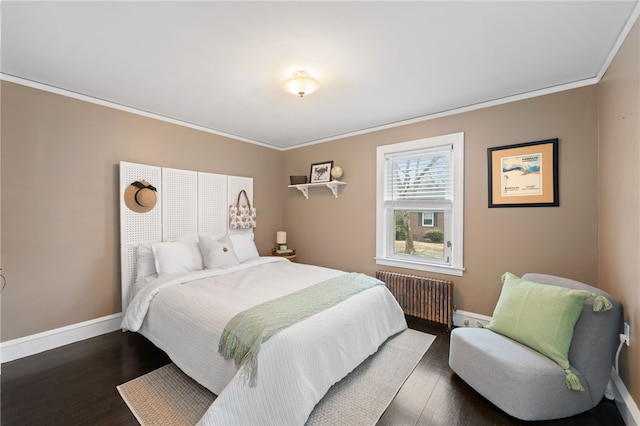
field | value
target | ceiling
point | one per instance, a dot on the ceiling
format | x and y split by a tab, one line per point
220	66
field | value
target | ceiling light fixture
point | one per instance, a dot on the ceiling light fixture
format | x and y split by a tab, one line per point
301	83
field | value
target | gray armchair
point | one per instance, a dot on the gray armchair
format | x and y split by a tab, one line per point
526	384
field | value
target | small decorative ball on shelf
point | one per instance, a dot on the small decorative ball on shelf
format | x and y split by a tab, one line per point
336	172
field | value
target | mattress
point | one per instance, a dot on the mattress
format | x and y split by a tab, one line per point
184	315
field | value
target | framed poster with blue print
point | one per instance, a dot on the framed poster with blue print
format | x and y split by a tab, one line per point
524	175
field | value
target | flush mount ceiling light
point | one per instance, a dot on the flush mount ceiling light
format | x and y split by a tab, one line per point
301	83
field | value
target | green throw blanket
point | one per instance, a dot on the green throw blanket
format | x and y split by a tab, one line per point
245	333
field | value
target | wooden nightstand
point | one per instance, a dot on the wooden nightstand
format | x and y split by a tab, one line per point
290	256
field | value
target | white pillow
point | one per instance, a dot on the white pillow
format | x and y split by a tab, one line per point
145	261
214	235
217	253
244	246
177	256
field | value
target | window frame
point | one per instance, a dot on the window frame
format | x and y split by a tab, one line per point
453	222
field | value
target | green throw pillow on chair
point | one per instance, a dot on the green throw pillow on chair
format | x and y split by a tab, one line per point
542	317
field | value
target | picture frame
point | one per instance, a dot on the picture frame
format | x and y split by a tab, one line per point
321	172
524	174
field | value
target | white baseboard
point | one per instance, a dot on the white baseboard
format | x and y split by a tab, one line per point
626	405
468	319
40	342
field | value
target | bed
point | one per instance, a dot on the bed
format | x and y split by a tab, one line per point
181	291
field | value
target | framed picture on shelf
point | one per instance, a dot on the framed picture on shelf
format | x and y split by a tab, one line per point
524	175
321	172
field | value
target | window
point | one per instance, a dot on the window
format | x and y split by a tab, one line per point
428	218
419	204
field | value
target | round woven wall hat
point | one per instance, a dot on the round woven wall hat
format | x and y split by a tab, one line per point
140	196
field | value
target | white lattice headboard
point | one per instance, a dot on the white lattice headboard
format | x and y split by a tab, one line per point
189	202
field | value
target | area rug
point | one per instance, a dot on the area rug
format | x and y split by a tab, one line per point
167	396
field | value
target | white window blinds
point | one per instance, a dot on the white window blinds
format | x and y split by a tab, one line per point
425	175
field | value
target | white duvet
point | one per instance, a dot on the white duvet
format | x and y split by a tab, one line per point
184	315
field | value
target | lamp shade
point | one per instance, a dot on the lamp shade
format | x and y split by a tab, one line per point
301	83
281	237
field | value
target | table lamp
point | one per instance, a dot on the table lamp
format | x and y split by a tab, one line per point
281	240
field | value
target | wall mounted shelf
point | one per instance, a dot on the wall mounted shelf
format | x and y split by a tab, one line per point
333	186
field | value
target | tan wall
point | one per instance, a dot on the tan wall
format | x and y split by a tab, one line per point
561	240
60	217
619	193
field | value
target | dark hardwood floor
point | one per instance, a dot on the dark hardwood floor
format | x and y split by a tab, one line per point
76	385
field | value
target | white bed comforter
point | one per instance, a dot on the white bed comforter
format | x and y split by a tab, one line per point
184	315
